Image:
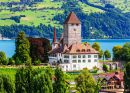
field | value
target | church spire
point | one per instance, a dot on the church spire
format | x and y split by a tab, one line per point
54	37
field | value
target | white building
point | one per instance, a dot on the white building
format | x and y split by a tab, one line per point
69	50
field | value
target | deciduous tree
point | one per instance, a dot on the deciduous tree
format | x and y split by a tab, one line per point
116	50
85	82
3	59
96	46
107	54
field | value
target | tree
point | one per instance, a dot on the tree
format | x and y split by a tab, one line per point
116	50
11	61
125	52
23	78
96	46
85	82
17	61
41	83
3	59
107	54
127	78
98	85
101	53
86	42
59	84
6	84
105	68
22	47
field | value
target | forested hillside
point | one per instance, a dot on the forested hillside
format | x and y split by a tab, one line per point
100	18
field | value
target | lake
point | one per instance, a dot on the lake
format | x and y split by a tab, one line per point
8	46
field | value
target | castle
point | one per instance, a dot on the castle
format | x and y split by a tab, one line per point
72	54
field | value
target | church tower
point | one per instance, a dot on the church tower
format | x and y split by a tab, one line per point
54	42
72	30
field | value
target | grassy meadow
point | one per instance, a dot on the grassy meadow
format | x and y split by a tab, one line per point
45	16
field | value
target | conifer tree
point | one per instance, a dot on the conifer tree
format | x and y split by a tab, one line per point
22	47
127	78
6	84
24	78
59	84
41	83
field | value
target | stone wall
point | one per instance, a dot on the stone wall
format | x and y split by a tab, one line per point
112	65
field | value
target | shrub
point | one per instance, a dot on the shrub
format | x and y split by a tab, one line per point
105	68
46	64
11	61
37	62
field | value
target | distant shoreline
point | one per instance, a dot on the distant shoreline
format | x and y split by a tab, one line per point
2	38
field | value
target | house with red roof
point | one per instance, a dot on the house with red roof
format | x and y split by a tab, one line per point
112	80
72	54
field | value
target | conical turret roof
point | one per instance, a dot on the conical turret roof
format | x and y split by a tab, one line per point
72	19
54	37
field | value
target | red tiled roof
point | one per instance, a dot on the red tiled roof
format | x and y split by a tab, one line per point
72	19
119	75
54	38
61	39
74	49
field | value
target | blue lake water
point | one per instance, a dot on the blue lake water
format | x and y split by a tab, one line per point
8	46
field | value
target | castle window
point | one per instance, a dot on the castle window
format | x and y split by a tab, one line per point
66	66
84	56
95	56
66	56
84	61
79	61
83	50
79	56
77	50
95	60
89	56
72	24
74	29
74	66
74	61
88	50
74	57
66	61
89	60
77	24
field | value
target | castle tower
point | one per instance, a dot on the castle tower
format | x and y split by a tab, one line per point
72	30
54	42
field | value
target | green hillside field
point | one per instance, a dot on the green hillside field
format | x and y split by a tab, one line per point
45	15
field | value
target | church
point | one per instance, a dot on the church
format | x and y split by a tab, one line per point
72	54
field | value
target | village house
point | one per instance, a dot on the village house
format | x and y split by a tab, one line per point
69	51
112	80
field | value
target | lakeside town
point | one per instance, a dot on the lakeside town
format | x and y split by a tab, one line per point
70	66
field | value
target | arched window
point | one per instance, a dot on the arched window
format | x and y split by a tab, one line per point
88	50
83	50
77	50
